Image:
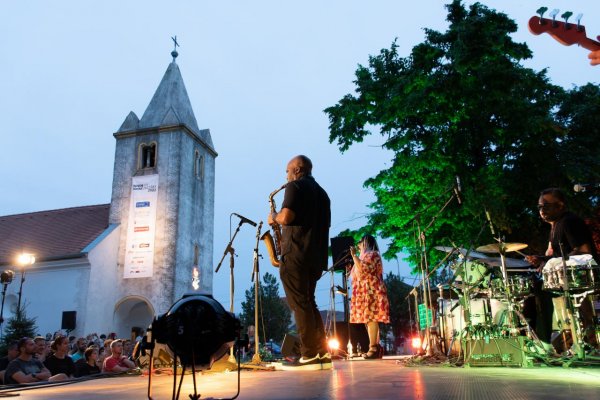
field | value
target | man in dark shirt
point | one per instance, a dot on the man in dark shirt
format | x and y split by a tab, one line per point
305	218
569	236
26	369
13	352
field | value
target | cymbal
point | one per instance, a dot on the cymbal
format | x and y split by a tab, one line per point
506	247
509	262
464	252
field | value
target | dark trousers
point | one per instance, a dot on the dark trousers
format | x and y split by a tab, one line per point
539	309
299	283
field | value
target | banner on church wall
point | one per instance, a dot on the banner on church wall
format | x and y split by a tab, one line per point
139	253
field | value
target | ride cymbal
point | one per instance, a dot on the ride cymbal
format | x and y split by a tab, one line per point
501	247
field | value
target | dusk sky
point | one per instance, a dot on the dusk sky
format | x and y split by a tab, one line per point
259	75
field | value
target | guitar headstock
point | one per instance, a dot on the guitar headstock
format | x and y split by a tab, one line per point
564	32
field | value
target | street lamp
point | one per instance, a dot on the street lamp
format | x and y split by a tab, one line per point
23	260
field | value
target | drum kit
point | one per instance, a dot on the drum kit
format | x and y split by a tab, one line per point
484	298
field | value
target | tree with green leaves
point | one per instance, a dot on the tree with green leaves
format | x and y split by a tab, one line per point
462	104
398	296
17	327
274	313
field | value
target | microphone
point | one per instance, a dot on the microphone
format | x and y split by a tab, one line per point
458	191
244	219
582	187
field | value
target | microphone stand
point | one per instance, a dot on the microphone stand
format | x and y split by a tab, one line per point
231	251
425	267
255	276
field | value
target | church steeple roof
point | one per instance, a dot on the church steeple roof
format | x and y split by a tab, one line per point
170	103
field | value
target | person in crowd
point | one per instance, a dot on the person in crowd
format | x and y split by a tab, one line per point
42	349
305	217
80	347
59	361
26	369
127	348
369	303
569	235
104	352
117	362
88	365
12	353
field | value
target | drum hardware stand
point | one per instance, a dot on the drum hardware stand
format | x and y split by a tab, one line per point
507	290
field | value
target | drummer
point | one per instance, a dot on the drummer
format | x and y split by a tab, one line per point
570	232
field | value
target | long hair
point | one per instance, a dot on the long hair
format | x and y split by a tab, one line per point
369	243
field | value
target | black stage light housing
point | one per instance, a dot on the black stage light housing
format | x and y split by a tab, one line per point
7	276
197	329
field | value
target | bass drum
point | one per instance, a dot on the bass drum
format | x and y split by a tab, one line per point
452	319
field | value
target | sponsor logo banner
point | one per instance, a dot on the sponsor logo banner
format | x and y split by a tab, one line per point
139	251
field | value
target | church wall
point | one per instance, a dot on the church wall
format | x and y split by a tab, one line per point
49	289
102	291
195	226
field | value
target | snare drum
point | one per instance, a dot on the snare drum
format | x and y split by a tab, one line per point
582	273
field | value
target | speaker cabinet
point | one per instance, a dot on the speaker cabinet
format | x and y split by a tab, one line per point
69	320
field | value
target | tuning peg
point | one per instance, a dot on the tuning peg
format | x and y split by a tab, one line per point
553	14
541	11
578	18
566	15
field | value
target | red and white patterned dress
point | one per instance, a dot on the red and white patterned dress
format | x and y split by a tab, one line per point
369	301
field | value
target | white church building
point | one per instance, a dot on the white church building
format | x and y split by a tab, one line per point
112	267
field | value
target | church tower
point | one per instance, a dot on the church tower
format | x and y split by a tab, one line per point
163	199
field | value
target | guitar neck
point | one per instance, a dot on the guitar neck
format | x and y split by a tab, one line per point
590	44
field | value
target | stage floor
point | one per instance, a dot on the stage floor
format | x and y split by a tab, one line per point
380	379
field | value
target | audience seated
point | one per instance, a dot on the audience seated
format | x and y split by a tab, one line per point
87	365
59	361
26	369
117	362
13	352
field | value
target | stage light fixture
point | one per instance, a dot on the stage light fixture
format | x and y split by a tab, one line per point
198	331
333	344
416	342
7	276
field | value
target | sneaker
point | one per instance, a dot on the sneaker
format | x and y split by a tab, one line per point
325	360
303	364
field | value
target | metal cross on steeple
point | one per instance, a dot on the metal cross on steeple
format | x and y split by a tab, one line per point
174	53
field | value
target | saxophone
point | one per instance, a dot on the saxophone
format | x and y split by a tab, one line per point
273	242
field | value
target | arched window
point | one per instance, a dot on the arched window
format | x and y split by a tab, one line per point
198	165
147	155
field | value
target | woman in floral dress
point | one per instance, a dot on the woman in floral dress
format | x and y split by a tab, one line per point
369	303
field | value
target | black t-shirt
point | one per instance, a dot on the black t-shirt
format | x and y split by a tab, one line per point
60	365
571	231
3	363
305	240
82	368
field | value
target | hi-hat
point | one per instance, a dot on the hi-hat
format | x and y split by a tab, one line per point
464	252
501	247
